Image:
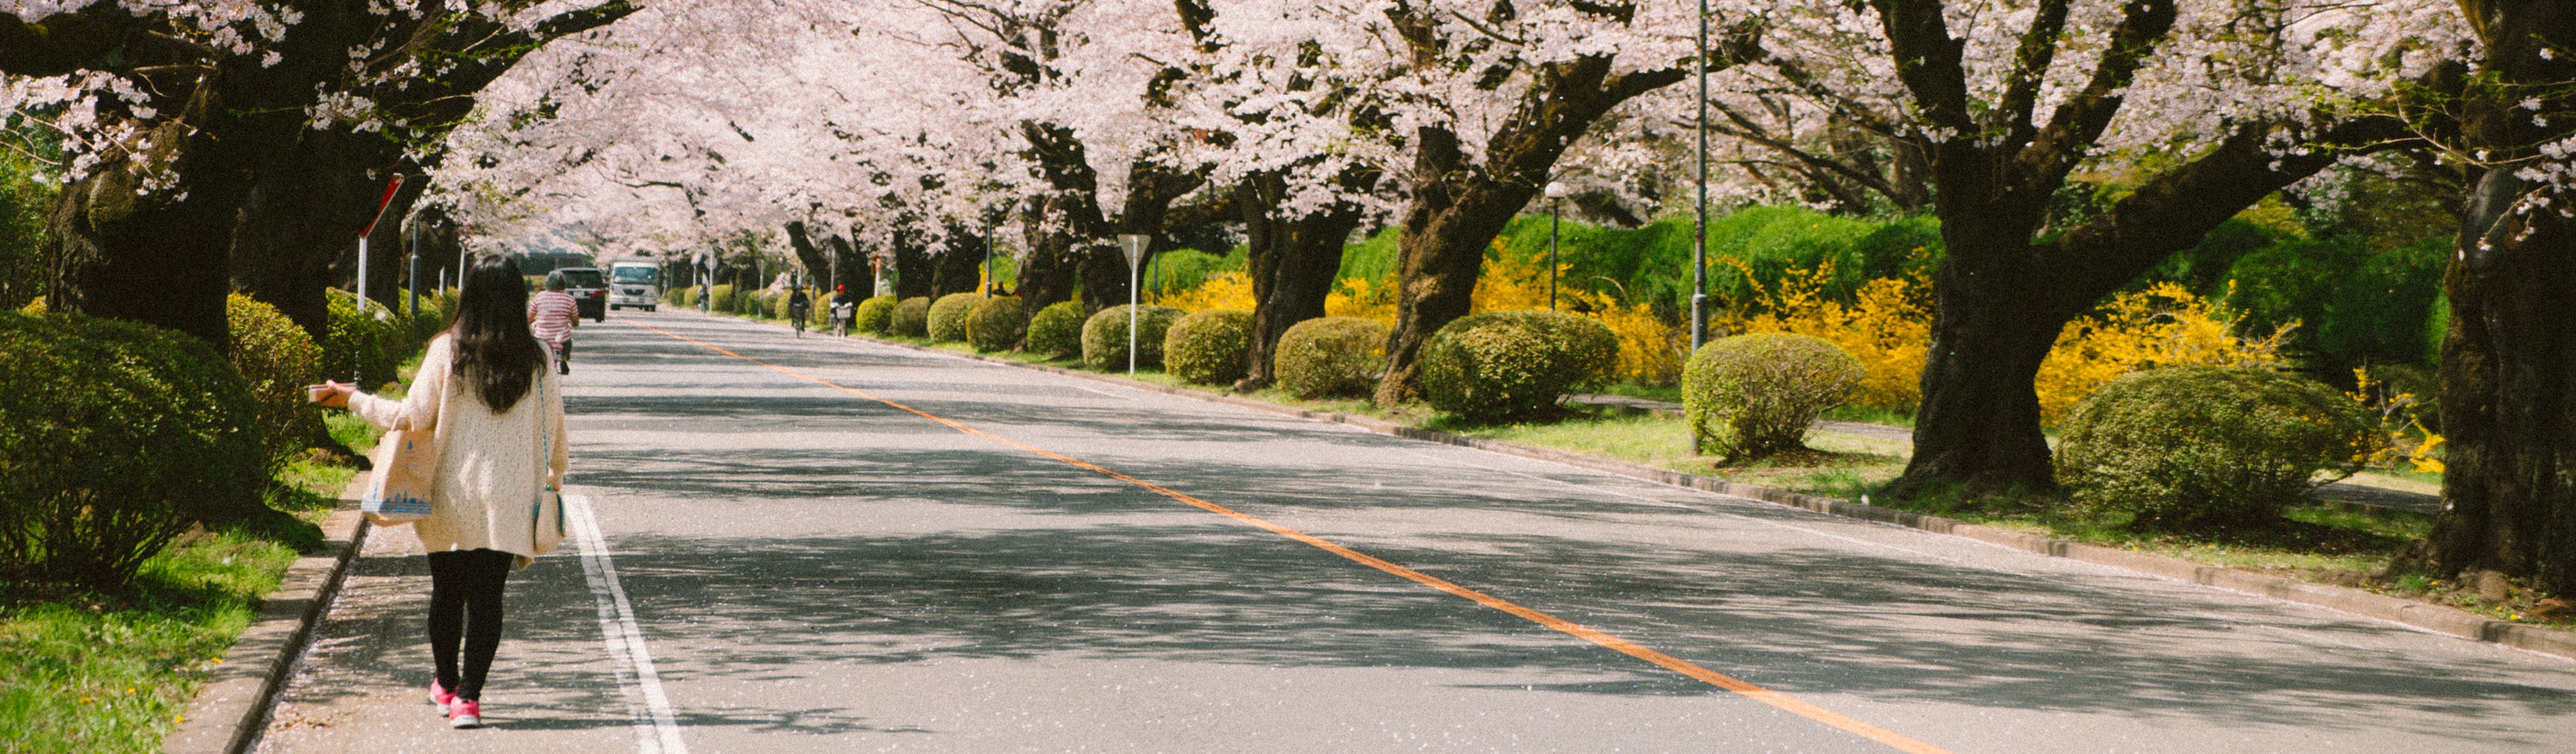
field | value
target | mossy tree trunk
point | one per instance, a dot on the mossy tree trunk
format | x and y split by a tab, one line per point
2508	393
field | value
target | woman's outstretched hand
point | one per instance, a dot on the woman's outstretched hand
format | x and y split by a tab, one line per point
330	393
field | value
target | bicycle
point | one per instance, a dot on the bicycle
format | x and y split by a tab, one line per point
842	314
796	319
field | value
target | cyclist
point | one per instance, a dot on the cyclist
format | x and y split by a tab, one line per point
845	308
797	306
552	314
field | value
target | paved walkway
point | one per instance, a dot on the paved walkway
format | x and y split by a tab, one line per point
2390	494
820	545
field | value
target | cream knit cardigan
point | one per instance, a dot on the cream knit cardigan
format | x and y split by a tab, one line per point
498	473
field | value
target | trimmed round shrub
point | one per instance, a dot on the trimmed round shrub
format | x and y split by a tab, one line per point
2202	447
1507	364
1212	347
1330	356
1749	396
911	318
114	436
354	344
996	324
436	309
1056	331
276	360
1104	336
874	316
948	315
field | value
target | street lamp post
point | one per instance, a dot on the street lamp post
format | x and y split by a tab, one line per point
1134	244
1556	192
1699	230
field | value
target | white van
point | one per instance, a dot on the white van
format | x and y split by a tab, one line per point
637	284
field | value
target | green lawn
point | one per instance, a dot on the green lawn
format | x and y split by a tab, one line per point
94	672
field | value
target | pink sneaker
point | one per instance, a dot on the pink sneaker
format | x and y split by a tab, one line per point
439	695
464	713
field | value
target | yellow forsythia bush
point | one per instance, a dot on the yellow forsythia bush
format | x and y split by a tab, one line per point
2162	326
1888	327
1359	298
1223	290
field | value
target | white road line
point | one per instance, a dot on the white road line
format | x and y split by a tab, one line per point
656	730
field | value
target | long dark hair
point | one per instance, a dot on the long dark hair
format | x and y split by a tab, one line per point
494	351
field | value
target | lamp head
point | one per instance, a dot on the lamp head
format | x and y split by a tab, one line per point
1557	190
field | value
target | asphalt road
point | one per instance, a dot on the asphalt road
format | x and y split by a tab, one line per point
832	546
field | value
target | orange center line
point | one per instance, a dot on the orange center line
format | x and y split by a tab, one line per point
1739	686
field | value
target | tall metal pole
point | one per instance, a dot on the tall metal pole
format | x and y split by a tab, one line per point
1552	205
362	273
1131	321
1699	230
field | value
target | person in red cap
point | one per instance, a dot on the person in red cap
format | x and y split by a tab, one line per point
845	308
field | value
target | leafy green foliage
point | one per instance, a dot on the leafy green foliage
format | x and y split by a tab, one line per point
355	344
911	318
947	316
1750	396
1212	347
24	199
276	360
1104	336
996	323
1056	331
874	316
2209	447
1505	364
1180	270
113	437
1329	356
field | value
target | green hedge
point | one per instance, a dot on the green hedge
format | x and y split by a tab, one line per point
1212	347
2208	447
1749	396
947	316
1330	356
1056	331
1507	364
1104	337
358	344
276	360
874	316
911	318
114	436
996	324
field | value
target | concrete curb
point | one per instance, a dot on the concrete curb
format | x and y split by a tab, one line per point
2421	615
233	706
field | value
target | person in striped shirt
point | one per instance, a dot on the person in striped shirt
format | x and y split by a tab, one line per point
552	314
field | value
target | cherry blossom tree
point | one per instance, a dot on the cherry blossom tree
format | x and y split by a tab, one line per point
2206	105
192	132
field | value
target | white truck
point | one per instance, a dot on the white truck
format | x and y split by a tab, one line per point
636	284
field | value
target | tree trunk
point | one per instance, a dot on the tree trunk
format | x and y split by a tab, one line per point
1292	263
912	271
2508	371
1979	420
817	266
957	267
850	271
1459	207
116	250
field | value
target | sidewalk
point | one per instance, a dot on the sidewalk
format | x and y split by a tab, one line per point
2388	494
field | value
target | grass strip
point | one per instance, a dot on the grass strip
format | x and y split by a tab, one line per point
89	671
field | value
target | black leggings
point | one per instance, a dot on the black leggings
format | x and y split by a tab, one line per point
465	602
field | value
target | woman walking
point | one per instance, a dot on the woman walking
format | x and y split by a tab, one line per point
496	420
